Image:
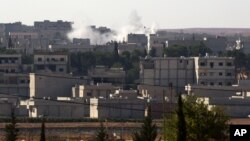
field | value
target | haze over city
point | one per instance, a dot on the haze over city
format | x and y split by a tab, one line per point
115	13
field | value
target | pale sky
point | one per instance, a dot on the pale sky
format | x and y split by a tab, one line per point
115	13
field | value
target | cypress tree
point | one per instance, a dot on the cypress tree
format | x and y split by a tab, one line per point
148	131
181	131
11	131
42	136
102	134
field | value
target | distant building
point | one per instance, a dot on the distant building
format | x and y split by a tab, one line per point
103	90
177	71
10	63
53	85
218	44
215	70
140	39
102	74
81	41
51	62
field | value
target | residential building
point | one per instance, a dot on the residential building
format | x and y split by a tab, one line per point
102	74
10	63
215	70
56	62
140	39
14	83
174	71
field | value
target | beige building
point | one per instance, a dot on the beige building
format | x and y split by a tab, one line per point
51	62
167	71
215	70
90	91
53	85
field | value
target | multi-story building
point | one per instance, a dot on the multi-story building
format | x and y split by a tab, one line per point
10	63
51	62
101	74
138	39
167	71
215	70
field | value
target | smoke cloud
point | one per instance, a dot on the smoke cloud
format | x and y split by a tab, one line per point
134	26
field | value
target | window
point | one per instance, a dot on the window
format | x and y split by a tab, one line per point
39	59
229	83
220	83
61	59
229	74
211	73
220	63
187	62
89	94
13	61
202	83
47	59
211	65
202	64
229	64
22	81
220	73
12	71
211	83
61	69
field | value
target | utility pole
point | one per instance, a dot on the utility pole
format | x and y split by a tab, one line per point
164	116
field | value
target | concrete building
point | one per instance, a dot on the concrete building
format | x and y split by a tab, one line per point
15	83
101	74
130	47
50	62
55	109
53	85
140	39
103	90
233	100
71	48
169	70
81	41
218	44
215	70
10	63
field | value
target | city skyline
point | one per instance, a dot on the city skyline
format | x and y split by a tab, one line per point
115	14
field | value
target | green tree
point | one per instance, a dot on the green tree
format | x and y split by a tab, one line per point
42	135
11	131
181	131
201	123
148	131
102	134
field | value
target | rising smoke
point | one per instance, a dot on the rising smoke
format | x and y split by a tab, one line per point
134	26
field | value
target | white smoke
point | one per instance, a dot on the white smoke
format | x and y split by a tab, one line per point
134	26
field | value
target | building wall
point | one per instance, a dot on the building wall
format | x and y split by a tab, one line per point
117	108
10	63
52	85
163	71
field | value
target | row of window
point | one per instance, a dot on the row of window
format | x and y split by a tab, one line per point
213	73
211	64
213	83
52	59
8	71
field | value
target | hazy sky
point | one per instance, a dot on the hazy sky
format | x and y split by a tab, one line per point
115	13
